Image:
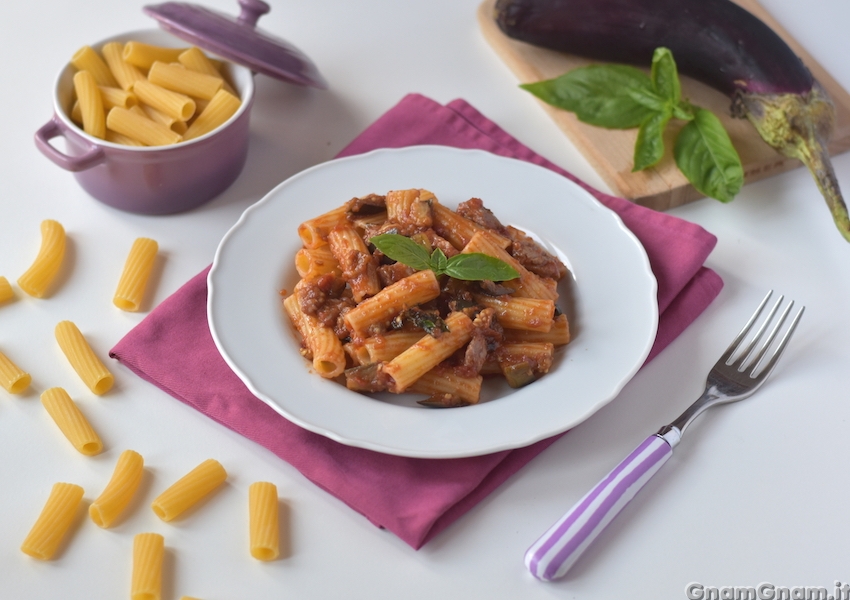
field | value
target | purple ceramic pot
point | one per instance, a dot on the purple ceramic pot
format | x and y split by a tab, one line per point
150	180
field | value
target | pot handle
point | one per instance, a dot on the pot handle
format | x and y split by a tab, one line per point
54	128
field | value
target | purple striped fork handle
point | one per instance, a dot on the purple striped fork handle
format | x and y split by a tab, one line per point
556	551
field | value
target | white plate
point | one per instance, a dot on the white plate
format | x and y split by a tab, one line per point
610	299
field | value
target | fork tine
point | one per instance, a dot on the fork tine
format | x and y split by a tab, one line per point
744	357
781	347
730	351
754	358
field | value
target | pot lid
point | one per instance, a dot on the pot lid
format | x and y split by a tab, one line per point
237	39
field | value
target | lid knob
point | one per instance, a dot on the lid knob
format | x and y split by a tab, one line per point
252	10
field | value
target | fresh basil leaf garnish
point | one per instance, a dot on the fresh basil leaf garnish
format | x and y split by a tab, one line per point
705	155
402	249
468	267
478	267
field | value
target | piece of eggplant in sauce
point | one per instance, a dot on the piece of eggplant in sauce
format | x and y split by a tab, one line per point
714	41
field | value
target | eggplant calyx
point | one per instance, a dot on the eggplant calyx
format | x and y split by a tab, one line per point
799	126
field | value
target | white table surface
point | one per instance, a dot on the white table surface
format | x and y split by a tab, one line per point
756	493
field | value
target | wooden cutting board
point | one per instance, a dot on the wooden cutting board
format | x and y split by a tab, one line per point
610	151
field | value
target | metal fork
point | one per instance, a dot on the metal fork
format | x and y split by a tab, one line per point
737	374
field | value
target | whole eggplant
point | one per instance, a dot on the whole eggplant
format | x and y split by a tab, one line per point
714	41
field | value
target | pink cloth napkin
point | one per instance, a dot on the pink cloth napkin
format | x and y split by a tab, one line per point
414	498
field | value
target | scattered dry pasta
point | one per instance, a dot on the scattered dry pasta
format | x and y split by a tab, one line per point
12	378
56	517
119	491
384	302
189	490
81	356
37	279
6	291
134	278
264	525
182	84
71	421
148	553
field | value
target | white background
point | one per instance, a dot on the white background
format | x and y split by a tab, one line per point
756	492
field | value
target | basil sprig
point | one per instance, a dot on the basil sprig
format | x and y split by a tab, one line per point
468	267
624	97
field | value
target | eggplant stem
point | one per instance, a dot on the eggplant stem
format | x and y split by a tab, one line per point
799	126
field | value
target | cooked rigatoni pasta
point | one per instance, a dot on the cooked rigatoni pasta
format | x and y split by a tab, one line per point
445	383
410	207
90	98
385	347
313	262
117	494
37	279
148	554
358	268
144	55
6	291
82	358
263	521
220	108
54	521
178	78
189	490
532	314
324	347
428	352
314	232
530	284
135	275
12	377
71	421
87	59
558	335
125	73
416	289
418	298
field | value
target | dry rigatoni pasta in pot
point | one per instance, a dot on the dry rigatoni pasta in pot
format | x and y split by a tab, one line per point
180	136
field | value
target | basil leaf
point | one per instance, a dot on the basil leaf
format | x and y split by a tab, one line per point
478	267
705	155
598	94
649	99
665	76
684	110
649	147
439	261
402	249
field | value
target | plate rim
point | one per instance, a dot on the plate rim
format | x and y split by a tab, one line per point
410	452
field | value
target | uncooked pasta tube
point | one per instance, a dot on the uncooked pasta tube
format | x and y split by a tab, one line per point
148	552
6	291
264	523
120	489
134	278
189	489
12	377
44	268
81	356
66	414
53	522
